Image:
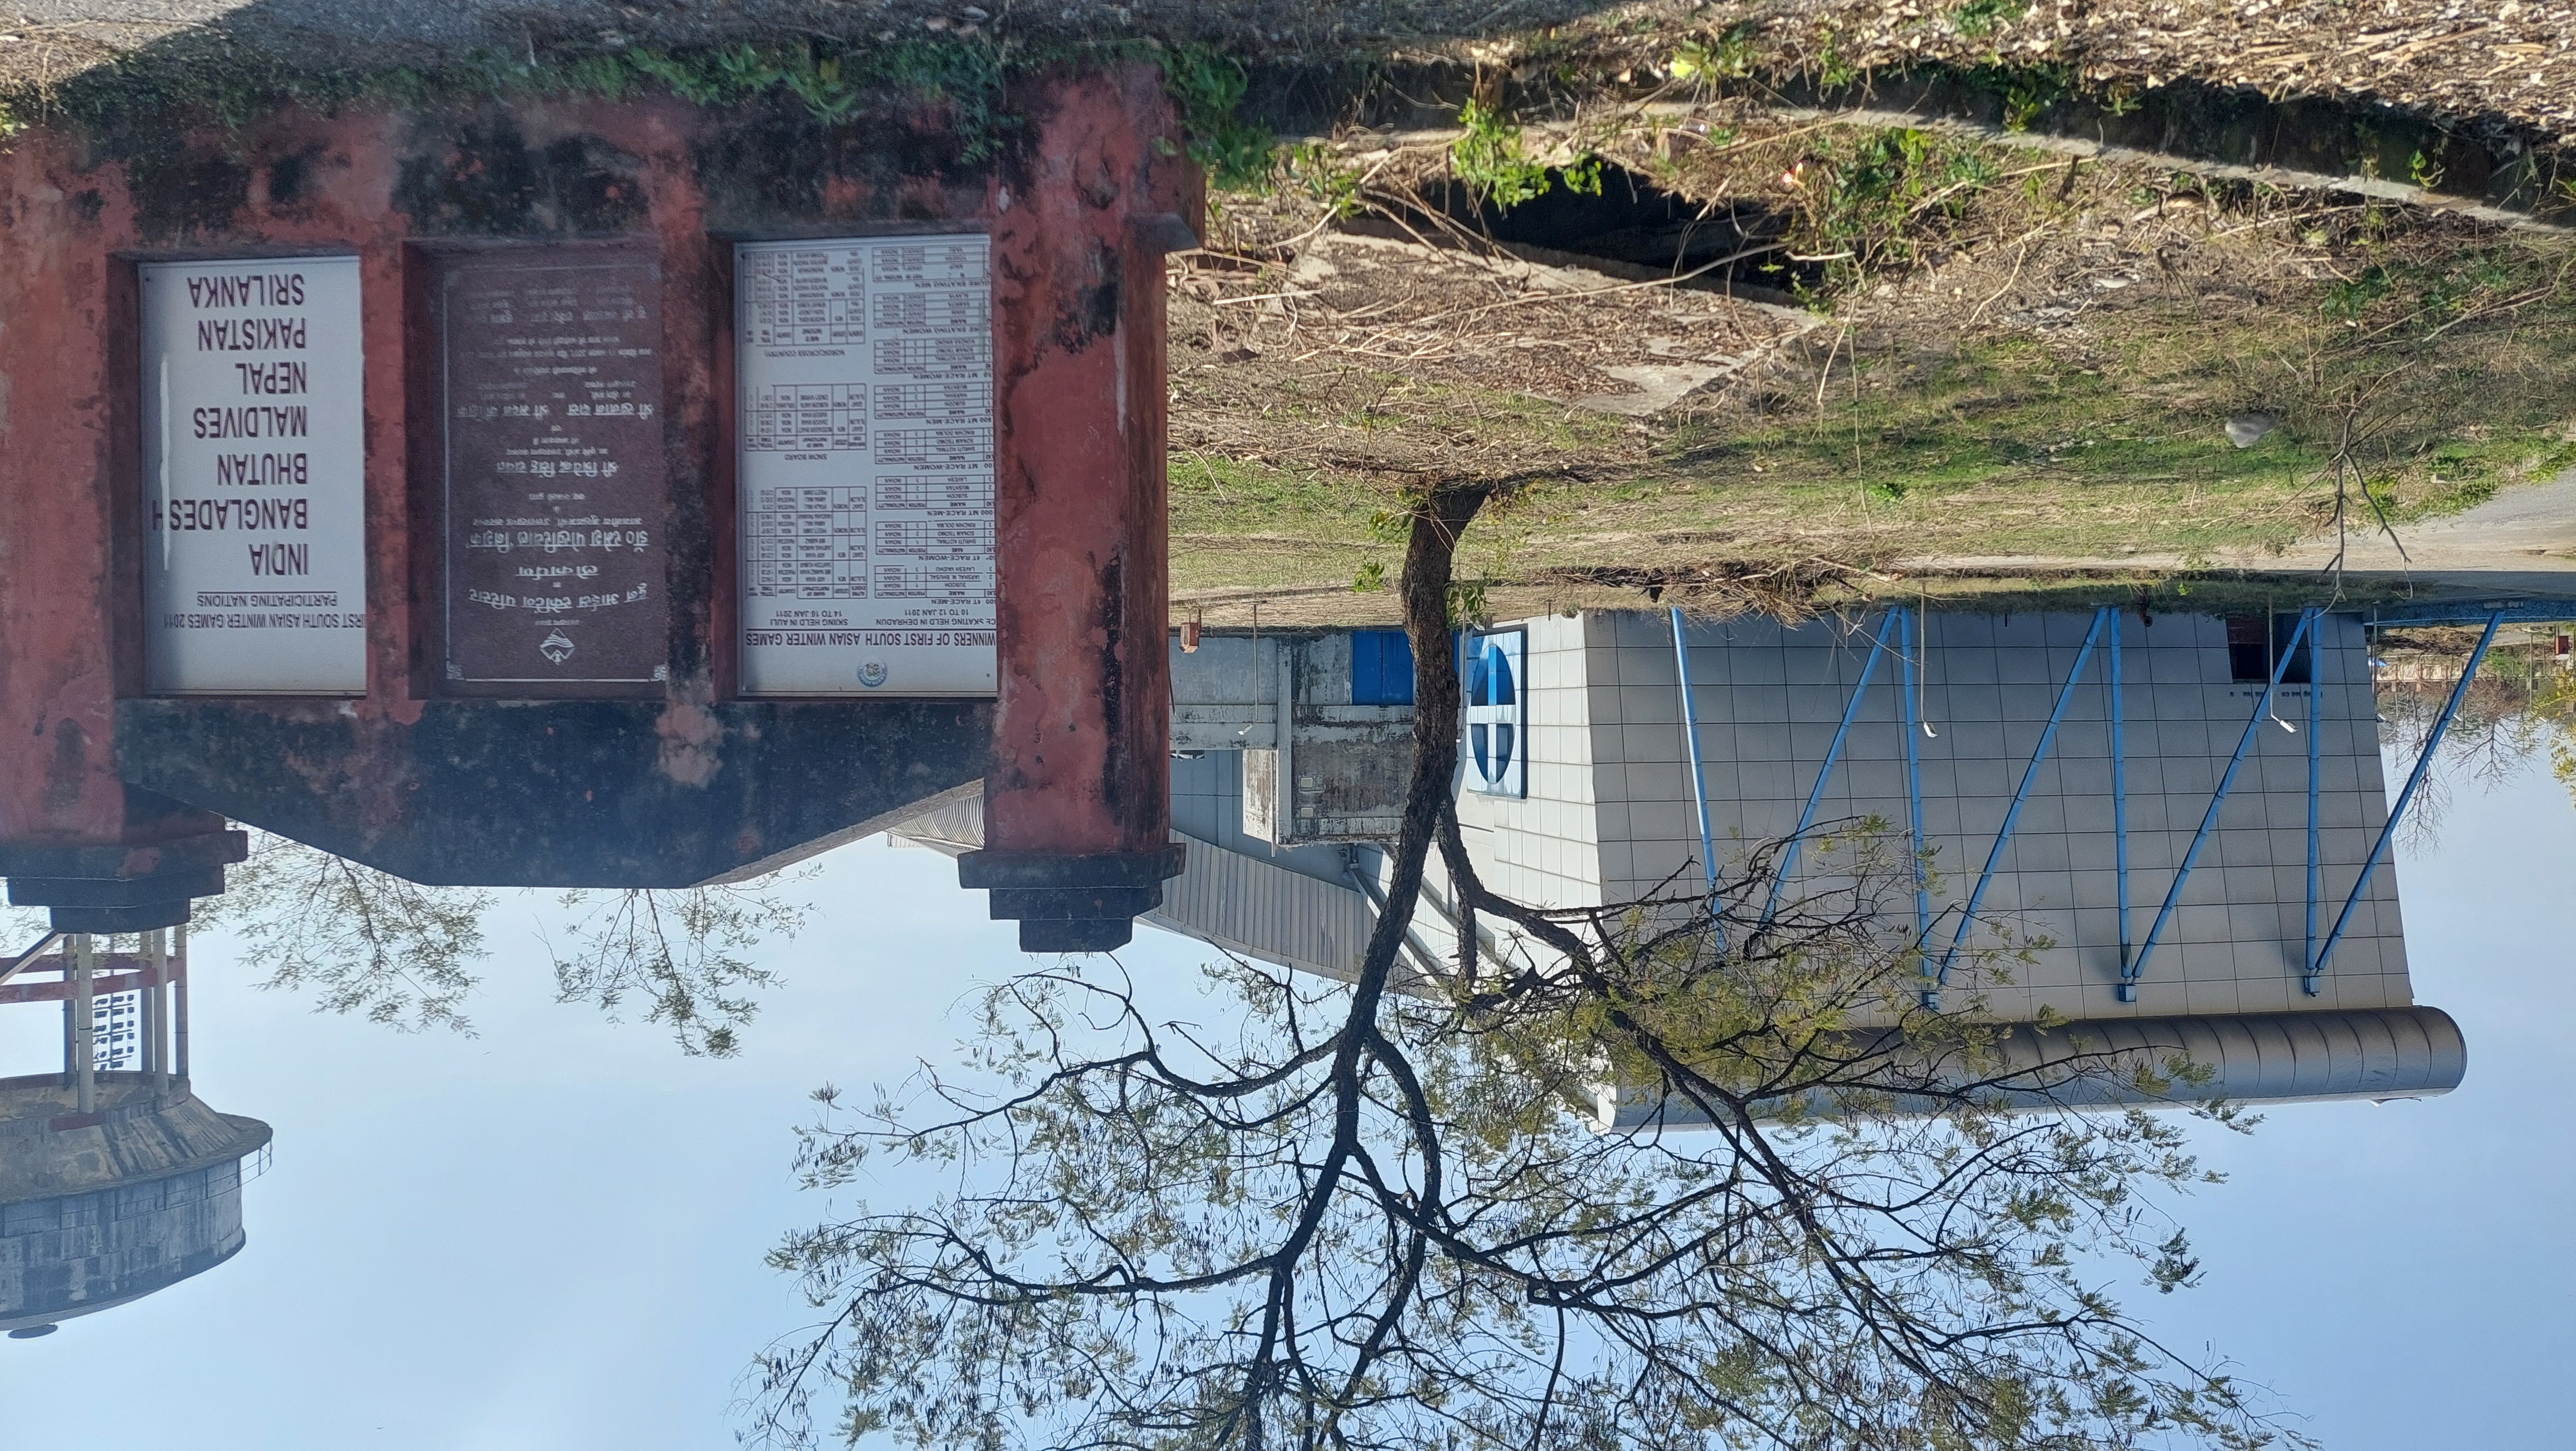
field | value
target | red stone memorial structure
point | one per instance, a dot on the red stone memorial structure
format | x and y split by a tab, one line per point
586	492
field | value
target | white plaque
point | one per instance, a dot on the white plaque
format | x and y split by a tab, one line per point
866	480
254	478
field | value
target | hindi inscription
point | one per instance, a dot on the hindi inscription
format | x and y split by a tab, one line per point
554	489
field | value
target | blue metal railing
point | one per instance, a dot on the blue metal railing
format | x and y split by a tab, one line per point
1699	788
2457	612
2021	793
1690	734
1824	773
2316	688
2133	970
1905	686
2414	780
1906	632
2119	792
1893	628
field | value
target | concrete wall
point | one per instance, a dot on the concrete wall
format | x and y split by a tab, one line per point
99	1208
1345	765
1081	199
1207	805
89	1252
1225	694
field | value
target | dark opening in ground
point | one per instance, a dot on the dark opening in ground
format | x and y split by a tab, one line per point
1633	229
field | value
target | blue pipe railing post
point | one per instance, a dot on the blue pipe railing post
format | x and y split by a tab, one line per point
2129	975
2414	779
1824	773
2316	686
1699	788
1906	654
2119	794
2021	793
1914	775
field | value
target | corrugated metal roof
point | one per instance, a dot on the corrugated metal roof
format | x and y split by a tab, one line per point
1244	903
1247	905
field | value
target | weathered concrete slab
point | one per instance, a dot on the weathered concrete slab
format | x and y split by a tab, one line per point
605	793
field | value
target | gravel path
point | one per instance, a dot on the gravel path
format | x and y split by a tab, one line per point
2520	543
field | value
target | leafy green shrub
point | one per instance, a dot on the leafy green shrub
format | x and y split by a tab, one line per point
1720	57
1980	17
2026	91
1491	164
1318	171
1208	87
2347	301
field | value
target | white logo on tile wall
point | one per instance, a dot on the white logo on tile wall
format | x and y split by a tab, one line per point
1497	734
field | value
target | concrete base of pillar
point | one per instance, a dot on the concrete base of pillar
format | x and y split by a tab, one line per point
1067	903
116	889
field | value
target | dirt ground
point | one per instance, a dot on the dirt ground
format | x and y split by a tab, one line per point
2018	358
2506	61
1949	350
2510	60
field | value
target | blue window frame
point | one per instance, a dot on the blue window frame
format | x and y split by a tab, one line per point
1381	668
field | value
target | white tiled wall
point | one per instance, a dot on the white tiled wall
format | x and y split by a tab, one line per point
1610	814
1545	848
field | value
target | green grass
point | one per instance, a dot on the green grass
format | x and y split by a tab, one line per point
2002	448
1244	525
1324	501
1227	496
835	79
1979	17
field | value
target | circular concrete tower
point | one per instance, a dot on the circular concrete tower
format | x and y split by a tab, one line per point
113	1183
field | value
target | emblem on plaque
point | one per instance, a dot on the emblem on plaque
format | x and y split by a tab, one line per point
872	674
556	648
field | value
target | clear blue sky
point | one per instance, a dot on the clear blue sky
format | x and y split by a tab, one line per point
549	1235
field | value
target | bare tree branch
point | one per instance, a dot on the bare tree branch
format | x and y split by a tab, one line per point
1407	1231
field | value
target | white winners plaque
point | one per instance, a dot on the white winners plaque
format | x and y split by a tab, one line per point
254	478
866	476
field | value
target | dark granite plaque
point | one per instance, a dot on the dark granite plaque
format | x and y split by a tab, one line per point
552	486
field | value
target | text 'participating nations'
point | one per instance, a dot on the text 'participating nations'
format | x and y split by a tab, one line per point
254	469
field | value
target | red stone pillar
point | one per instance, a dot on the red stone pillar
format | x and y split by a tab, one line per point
1077	806
105	856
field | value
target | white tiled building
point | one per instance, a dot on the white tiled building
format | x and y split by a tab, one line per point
1601	810
1609	815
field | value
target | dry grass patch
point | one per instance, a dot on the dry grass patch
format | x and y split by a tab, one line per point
2000	358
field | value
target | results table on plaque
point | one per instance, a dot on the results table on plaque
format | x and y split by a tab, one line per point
866	372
